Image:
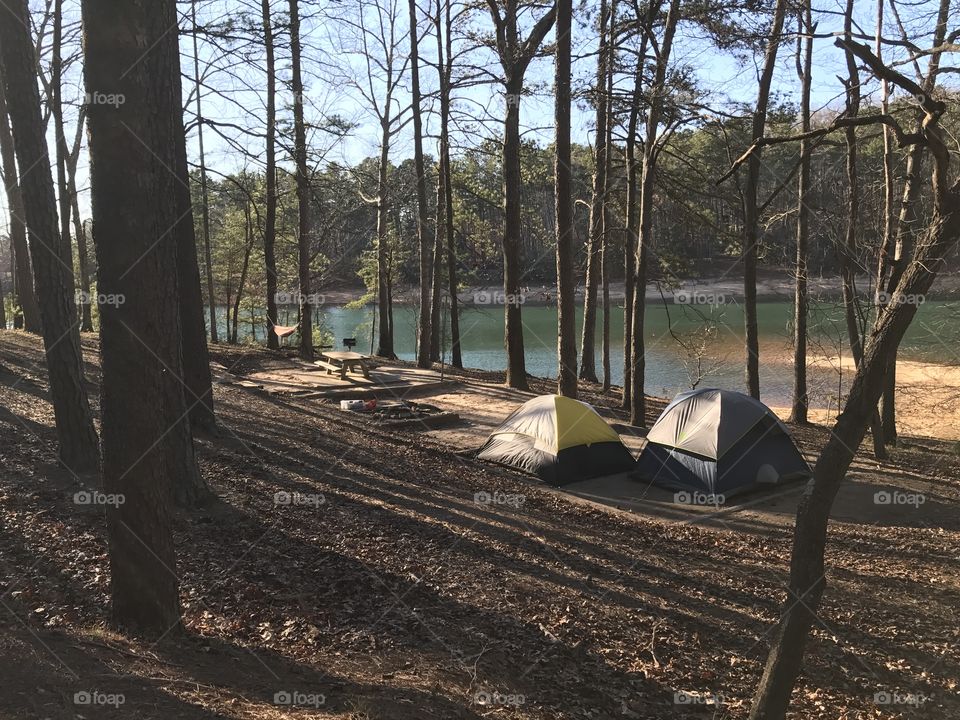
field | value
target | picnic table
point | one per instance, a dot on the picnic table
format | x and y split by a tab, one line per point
344	362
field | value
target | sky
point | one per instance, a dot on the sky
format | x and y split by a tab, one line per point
334	70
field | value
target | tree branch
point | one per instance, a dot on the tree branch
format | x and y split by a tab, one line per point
903	139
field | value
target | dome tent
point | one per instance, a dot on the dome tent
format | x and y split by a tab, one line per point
719	442
558	439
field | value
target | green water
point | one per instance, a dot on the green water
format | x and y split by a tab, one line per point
706	341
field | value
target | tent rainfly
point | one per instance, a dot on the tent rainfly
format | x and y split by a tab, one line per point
558	439
719	442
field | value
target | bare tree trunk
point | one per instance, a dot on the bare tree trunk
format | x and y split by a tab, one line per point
79	231
807	579
426	268
885	254
248	247
907	219
56	110
23	287
588	341
189	487
807	569
445	56
456	355
605	218
270	227
515	57
637	368
629	254
513	337
751	236
436	295
563	199
632	211
204	194
384	295
848	253
140	339
303	189
801	403
53	273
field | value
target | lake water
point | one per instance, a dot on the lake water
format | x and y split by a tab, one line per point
705	340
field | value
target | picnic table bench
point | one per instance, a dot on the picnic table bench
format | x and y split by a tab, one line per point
344	362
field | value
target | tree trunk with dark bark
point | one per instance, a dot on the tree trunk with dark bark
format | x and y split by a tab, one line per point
79	231
303	189
513	323
270	221
190	489
588	340
51	259
23	287
807	568
800	404
515	57
637	365
632	210
248	247
384	295
423	242
146	437
885	254
436	279
60	140
445	57
606	228
563	200
751	224
849	251
907	218
204	193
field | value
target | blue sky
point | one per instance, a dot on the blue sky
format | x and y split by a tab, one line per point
725	79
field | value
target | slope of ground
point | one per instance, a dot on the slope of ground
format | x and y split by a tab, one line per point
385	591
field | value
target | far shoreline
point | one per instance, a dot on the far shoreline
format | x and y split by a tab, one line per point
725	290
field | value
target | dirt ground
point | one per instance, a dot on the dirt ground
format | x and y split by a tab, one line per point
928	397
389	592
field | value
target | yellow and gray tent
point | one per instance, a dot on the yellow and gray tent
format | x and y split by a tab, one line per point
558	439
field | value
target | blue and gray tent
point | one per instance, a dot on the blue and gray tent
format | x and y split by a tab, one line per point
719	442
